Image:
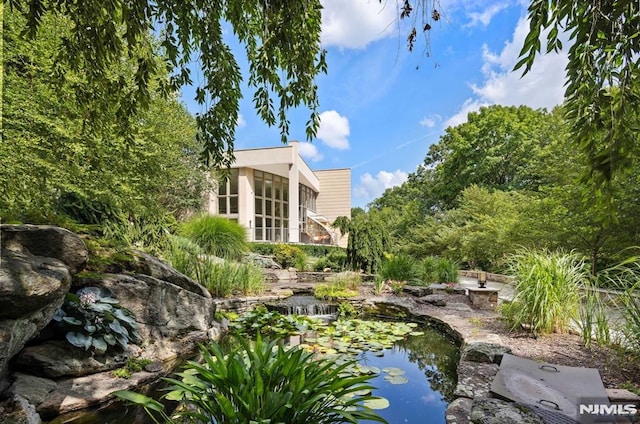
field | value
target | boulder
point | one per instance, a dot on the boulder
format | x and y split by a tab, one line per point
18	410
496	411
34	389
474	379
434	299
484	352
56	358
417	291
169	316
154	267
459	411
32	288
47	241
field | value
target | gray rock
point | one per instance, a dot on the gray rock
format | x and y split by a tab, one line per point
55	359
496	411
33	389
82	392
459	411
439	288
263	261
434	299
47	241
169	317
18	411
154	267
417	291
484	352
474	379
29	283
32	288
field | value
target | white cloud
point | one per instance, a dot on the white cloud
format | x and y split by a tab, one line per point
355	23
309	151
431	120
484	18
241	122
542	87
334	130
371	187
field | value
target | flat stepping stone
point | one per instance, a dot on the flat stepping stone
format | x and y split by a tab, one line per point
434	299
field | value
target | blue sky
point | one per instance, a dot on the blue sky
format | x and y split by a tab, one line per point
382	106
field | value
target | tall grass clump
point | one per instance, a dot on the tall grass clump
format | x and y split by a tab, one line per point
398	268
625	278
547	292
217	236
433	269
222	278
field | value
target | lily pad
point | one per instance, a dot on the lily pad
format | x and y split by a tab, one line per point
392	371
376	403
396	379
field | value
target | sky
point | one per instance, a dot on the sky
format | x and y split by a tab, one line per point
382	106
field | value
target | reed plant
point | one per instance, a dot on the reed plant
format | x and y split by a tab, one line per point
217	236
398	267
222	278
547	291
433	269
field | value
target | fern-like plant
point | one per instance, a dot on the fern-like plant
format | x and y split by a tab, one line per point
264	383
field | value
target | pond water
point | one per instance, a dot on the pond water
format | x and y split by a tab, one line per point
429	363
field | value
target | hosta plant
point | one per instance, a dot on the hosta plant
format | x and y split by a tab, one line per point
94	320
264	382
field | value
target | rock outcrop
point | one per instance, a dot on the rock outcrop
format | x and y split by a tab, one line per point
37	265
35	274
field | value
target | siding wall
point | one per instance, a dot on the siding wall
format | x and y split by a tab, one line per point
334	198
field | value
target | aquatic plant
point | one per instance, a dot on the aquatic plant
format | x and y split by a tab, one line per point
265	383
272	323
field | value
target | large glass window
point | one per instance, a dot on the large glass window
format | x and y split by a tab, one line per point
307	203
228	194
271	207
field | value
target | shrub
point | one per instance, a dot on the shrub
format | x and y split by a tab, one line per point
288	256
333	292
546	296
94	320
148	233
433	269
397	267
336	260
265	383
217	236
222	278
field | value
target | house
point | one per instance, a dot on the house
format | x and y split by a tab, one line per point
275	195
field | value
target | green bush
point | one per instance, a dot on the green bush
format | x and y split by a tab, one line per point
288	255
222	278
148	233
397	267
312	250
265	383
546	297
434	269
336	260
217	236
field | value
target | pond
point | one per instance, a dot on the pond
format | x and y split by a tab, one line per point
416	374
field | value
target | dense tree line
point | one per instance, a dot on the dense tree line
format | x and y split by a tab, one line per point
509	178
55	162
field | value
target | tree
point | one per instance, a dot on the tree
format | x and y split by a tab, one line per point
281	39
90	170
368	239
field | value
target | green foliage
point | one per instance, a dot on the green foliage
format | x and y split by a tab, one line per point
602	75
368	240
267	383
148	233
272	323
107	173
288	256
398	267
546	297
133	365
222	278
282	45
94	320
121	373
346	310
433	269
379	284
335	260
342	285
313	250
217	236
397	286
